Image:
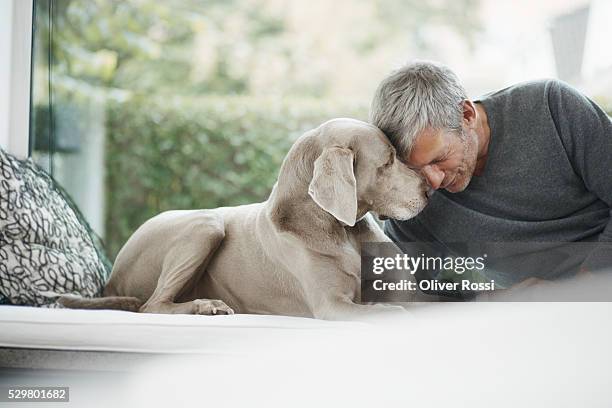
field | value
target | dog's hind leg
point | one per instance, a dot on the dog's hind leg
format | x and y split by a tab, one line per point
190	252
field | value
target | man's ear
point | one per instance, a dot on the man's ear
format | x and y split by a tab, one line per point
333	186
469	113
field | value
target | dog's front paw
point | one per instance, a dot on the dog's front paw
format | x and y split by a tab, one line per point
211	307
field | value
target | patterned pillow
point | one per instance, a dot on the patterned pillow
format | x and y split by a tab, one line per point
46	248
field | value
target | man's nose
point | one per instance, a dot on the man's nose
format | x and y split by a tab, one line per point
433	175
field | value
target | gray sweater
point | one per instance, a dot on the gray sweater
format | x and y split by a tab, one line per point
548	175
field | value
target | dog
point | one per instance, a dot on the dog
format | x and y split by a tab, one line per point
296	254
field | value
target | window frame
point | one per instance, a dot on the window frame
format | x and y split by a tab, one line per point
15	76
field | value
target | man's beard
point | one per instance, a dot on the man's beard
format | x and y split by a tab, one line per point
468	165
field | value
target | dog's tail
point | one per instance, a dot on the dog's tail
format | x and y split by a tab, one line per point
128	303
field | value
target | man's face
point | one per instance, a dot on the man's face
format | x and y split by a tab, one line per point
445	158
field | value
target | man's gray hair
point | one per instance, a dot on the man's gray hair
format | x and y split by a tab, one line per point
417	96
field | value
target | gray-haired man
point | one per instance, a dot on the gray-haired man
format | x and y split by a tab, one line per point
532	162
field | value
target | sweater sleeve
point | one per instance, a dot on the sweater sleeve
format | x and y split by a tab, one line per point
586	132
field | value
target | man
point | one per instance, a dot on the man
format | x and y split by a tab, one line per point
532	162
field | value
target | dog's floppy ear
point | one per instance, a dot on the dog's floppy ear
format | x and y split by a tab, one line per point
333	186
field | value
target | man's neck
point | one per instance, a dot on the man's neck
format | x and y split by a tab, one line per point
484	136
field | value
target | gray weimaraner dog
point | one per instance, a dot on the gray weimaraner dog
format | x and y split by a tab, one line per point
298	253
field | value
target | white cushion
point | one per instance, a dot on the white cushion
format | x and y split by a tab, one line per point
107	330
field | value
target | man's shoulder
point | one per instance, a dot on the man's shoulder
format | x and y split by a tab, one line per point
530	99
539	88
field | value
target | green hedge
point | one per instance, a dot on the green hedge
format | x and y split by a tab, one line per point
177	153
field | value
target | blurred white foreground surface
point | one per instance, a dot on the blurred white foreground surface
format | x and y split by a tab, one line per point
460	354
476	355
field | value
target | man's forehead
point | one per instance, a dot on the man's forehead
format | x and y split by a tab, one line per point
426	147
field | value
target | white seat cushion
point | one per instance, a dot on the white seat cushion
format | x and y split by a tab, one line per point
107	330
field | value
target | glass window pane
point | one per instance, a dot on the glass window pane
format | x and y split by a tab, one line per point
157	105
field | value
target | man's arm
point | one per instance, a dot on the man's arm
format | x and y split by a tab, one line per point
586	133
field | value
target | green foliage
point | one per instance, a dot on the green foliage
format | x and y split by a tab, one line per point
152	62
222	46
140	45
186	153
